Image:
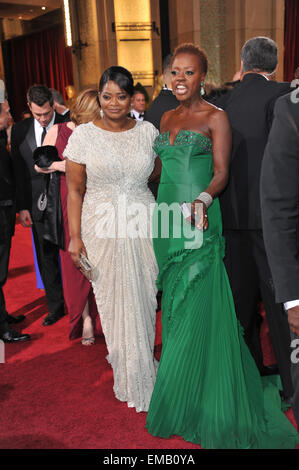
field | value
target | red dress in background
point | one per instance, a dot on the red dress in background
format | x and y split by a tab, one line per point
76	288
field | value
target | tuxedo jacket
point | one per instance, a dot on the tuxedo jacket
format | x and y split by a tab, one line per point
165	101
132	115
7	196
30	184
280	198
7	183
250	111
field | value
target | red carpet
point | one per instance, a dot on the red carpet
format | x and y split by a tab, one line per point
57	394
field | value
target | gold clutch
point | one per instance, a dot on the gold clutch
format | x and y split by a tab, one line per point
86	267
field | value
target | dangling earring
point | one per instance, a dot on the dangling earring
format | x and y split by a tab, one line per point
101	111
202	90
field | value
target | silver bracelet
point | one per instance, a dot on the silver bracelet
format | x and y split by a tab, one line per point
206	198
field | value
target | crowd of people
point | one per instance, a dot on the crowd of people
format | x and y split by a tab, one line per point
195	197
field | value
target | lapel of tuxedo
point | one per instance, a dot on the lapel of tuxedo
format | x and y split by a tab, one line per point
29	143
30	137
59	118
28	146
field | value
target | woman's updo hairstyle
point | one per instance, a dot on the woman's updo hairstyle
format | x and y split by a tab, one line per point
190	48
121	76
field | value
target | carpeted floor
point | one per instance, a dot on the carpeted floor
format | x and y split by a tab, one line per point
56	393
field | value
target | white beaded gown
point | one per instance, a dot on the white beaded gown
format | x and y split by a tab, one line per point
115	229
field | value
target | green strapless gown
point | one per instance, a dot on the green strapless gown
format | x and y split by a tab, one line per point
208	389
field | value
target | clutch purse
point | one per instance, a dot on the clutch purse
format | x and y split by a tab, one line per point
86	267
44	157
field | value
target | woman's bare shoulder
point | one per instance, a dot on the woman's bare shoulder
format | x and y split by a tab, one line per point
71	125
166	119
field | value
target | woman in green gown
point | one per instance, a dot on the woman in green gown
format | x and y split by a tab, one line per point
208	389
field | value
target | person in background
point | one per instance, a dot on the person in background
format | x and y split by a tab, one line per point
249	106
8	215
26	135
78	294
280	215
166	99
59	104
138	104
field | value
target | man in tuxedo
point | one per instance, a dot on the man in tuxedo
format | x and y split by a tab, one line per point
25	137
8	215
137	105
249	106
166	100
59	104
280	214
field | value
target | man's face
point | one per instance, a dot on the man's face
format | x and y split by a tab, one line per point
5	115
43	114
138	102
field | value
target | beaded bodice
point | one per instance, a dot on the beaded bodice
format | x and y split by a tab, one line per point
188	161
184	137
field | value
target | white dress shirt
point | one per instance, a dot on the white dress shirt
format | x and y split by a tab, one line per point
137	114
291	304
38	130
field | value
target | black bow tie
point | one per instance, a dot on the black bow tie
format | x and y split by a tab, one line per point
141	115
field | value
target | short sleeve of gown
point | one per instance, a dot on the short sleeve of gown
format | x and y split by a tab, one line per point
75	149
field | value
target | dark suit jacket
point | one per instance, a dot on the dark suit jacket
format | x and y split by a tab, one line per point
165	101
250	110
7	183
67	116
280	198
7	196
30	184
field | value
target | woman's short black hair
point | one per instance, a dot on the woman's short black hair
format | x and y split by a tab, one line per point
121	76
190	48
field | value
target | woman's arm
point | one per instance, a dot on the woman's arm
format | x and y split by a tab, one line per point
222	140
50	139
55	166
76	183
155	176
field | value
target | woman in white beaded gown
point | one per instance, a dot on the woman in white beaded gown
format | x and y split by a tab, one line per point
112	160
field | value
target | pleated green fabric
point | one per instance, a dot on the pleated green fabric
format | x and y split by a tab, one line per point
208	389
